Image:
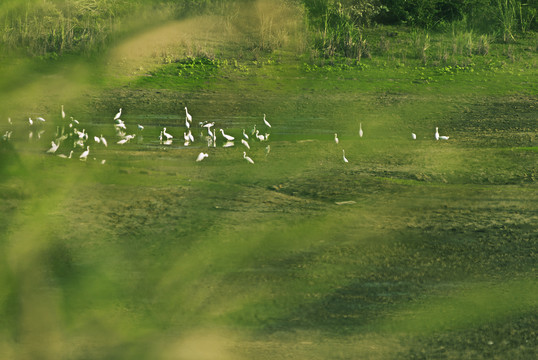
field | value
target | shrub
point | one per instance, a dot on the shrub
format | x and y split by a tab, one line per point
421	13
506	17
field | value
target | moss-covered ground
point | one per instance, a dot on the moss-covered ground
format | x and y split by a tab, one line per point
417	249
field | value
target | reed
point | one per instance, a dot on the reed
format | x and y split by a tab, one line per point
507	18
421	45
469	43
515	17
483	44
338	30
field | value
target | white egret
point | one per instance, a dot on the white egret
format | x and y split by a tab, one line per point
228	144
265	121
260	136
187	124
97	139
140	127
227	137
253	130
41	119
39	133
30	121
53	148
441	137
81	134
123	141
360	130
336	138
208	127
103	140
247	158
63	112
9	121
187	115
413	136
85	154
63	135
103	162
267	150
168	136
120	125
65	156
344	156
245	135
201	156
244	142
117	115
190	136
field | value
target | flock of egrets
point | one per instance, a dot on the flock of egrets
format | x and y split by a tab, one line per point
69	133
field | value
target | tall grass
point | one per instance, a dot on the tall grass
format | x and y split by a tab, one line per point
513	17
483	44
56	27
507	18
421	44
271	25
337	28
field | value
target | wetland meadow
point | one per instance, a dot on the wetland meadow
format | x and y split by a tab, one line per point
415	248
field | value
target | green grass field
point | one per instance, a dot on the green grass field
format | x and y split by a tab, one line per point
414	249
